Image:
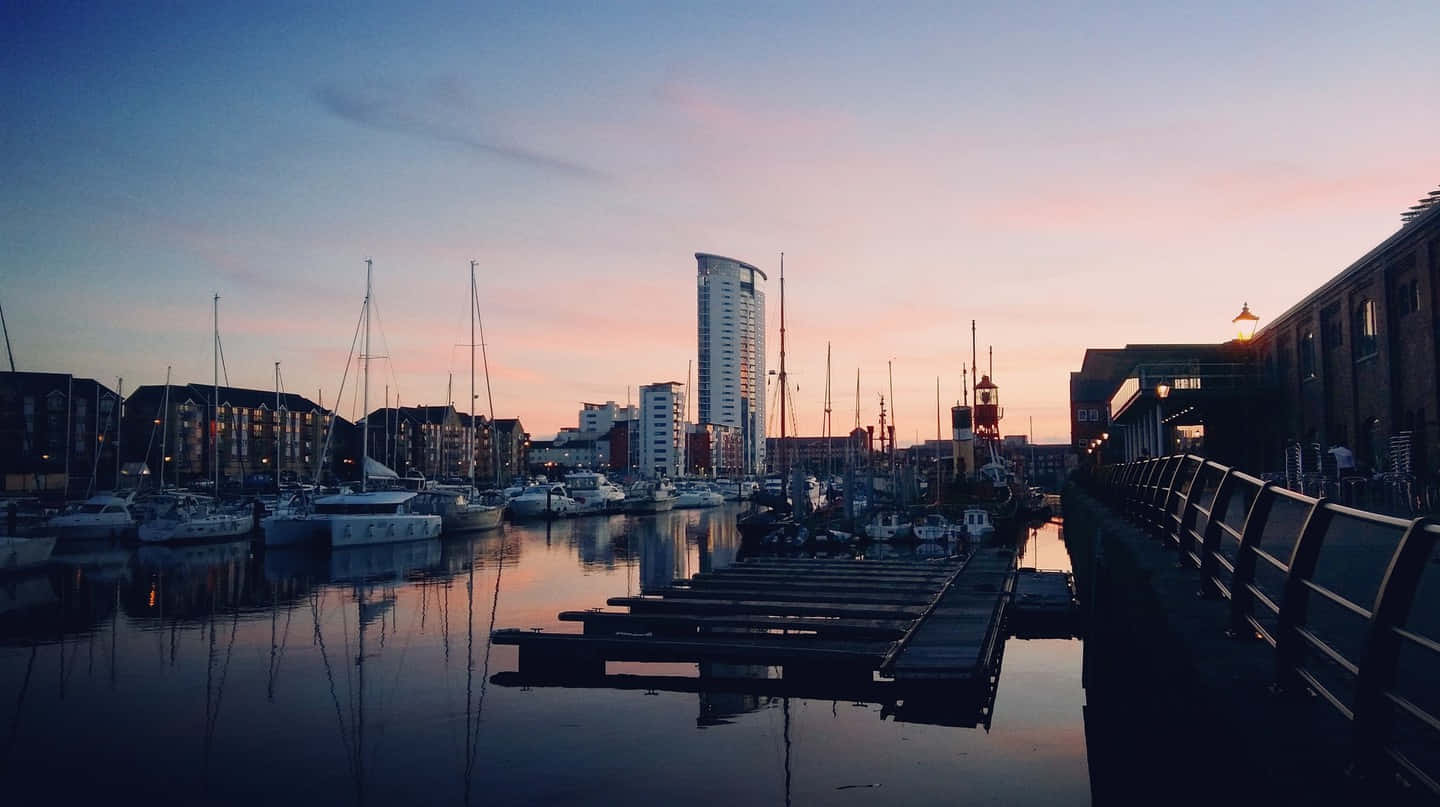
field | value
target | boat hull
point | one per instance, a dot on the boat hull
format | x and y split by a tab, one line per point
364	530
76	530
208	528
18	554
469	520
644	506
539	508
295	530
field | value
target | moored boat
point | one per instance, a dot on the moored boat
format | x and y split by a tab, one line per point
544	501
375	517
103	516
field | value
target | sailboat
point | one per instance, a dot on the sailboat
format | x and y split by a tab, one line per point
461	508
378	516
356	519
188	518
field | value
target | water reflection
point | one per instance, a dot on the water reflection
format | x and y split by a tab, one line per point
240	676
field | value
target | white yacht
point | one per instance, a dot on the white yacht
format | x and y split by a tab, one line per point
103	516
550	500
17	554
650	497
183	517
593	491
887	527
696	494
375	517
978	524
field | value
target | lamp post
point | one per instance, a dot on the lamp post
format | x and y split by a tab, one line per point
1244	323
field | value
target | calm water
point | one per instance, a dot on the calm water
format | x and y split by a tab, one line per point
213	674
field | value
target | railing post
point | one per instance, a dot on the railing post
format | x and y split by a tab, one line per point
1160	506
1167	533
1382	646
1211	538
1187	515
1241	601
1289	647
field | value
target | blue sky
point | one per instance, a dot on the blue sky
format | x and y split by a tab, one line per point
1070	175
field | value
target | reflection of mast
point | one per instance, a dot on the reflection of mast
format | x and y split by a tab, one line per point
20	701
277	651
472	732
785	710
214	693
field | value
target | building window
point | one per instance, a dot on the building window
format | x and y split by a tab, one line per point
1307	355
1365	330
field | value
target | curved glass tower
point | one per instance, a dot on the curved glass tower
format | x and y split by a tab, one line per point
730	308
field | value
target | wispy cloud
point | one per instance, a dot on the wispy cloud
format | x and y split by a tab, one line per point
443	110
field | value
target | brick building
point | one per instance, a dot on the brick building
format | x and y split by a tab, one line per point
1355	361
172	433
57	432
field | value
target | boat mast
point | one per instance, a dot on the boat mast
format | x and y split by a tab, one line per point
215	397
829	469
685	426
365	385
279	426
472	377
119	410
937	441
783	383
165	428
489	394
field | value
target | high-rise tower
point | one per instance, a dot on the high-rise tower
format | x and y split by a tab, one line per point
730	310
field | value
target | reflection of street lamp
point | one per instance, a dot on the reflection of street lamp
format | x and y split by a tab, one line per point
1244	323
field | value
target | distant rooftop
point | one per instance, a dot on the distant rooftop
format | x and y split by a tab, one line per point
700	256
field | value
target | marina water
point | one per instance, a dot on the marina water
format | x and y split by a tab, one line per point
220	674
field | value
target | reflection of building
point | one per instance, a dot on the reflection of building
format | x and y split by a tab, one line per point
661	429
51	423
730	317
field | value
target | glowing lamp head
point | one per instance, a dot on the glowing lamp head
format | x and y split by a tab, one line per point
1244	323
1162	390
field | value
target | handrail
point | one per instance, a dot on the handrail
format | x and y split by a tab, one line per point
1165	497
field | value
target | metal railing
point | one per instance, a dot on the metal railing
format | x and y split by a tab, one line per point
1348	599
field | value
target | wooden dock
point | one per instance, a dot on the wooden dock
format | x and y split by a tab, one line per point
914	621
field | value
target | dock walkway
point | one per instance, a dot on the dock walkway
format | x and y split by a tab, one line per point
913	620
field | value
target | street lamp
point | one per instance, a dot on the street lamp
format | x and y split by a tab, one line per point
1244	323
1162	390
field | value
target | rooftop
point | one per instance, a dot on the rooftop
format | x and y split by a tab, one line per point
700	256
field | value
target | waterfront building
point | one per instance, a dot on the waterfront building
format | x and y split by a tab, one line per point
730	389
247	427
812	453
429	440
1353	364
597	419
512	445
52	426
572	453
660	433
714	450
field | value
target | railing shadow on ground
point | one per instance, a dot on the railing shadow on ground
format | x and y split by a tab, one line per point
1348	599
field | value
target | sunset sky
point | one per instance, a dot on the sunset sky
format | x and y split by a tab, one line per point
1069	175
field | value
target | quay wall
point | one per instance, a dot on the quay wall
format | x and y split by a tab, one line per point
1178	711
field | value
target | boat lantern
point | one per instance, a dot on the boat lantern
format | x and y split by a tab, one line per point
1244	323
987	410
